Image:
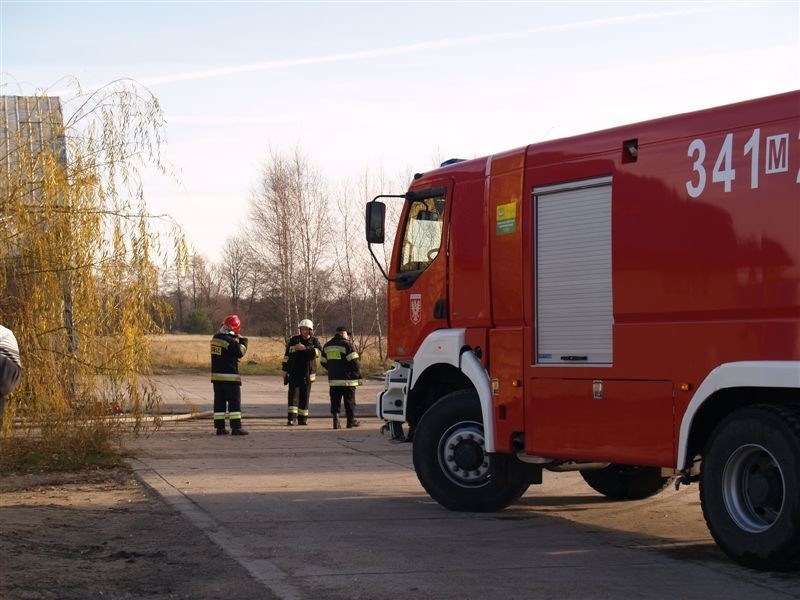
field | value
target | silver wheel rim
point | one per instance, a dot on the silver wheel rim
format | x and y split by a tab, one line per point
753	488
462	454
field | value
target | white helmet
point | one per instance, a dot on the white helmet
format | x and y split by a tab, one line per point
306	323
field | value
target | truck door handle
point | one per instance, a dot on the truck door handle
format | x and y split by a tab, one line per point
571	357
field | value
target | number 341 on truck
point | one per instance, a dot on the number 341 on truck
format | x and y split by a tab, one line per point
624	303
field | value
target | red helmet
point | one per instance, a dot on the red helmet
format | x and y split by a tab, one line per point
233	322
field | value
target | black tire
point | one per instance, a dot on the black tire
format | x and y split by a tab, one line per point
451	461
750	487
626	482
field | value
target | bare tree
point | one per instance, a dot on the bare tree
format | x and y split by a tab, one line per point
173	291
288	226
370	276
235	268
253	280
211	286
343	252
204	283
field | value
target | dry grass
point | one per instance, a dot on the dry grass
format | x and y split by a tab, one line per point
191	353
182	352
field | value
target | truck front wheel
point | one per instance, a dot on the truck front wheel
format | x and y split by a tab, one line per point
451	461
750	487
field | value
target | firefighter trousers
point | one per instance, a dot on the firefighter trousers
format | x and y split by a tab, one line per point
299	395
227	399
348	394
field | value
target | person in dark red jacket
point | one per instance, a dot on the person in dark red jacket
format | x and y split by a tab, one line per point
340	358
227	347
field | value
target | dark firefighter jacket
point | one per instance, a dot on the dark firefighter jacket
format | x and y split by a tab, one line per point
226	350
301	364
340	358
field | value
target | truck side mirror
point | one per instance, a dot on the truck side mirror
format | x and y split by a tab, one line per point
376	214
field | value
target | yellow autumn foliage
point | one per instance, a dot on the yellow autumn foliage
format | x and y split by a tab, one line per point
78	267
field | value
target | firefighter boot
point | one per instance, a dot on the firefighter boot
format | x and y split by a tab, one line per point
239	431
353	423
222	431
336	424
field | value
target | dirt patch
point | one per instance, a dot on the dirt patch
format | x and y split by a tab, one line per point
102	534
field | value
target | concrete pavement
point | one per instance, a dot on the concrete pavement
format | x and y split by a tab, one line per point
261	396
315	513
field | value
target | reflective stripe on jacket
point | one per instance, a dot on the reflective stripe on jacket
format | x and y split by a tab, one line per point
226	350
342	362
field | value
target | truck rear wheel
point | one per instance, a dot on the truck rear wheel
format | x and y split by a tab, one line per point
451	461
626	482
750	487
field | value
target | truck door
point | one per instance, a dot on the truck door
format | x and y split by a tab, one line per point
418	302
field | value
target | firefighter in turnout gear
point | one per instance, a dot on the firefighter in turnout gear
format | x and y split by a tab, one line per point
300	371
227	347
340	358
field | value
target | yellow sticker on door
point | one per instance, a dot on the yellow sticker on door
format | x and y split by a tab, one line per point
506	218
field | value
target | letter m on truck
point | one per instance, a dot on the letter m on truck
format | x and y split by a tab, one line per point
625	304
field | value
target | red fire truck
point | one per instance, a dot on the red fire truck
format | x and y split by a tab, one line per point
624	303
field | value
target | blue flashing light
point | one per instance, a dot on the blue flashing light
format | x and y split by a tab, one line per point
452	161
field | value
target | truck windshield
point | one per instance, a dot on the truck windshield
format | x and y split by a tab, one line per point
422	234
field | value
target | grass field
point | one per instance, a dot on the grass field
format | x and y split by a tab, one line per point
181	352
191	353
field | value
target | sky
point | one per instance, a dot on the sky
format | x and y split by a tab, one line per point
387	87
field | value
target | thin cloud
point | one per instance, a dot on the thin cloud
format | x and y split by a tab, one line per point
225	120
473	40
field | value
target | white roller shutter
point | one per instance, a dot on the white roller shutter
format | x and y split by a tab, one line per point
573	273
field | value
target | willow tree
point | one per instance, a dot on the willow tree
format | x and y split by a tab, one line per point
79	279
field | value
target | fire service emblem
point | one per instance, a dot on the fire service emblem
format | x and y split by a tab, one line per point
416	308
